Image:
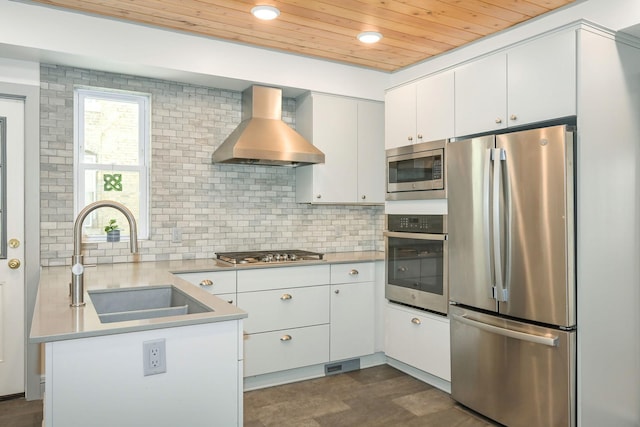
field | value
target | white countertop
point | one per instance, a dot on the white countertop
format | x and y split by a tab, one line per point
55	320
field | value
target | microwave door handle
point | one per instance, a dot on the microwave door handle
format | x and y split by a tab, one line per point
551	341
485	209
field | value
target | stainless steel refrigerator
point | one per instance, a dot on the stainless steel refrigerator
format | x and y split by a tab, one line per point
512	275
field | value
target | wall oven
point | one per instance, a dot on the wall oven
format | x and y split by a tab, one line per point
416	254
417	171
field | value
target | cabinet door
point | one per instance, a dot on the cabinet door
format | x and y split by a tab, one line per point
335	133
352	320
542	79
481	95
371	156
434	107
400	116
419	339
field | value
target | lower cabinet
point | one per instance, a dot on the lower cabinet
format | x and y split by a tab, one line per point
284	308
352	310
285	349
288	323
419	339
299	315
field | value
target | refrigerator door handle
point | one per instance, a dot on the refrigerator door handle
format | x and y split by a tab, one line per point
551	341
486	211
500	293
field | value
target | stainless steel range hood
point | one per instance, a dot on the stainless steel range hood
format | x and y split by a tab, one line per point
262	137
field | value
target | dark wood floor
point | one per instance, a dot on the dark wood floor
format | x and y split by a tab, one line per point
20	413
378	396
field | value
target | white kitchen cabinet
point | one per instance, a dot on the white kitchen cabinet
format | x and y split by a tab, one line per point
285	349
288	323
285	308
481	95
262	279
419	339
352	310
350	133
214	282
371	157
400	116
434	107
529	83
420	112
541	83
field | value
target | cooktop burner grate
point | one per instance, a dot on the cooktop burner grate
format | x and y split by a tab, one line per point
264	257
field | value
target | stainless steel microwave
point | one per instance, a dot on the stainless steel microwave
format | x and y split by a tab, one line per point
417	171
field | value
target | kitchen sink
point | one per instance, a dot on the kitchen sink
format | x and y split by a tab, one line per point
122	304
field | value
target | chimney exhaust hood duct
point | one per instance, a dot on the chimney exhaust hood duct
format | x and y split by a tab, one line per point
262	138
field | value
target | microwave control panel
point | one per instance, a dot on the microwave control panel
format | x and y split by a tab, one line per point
434	224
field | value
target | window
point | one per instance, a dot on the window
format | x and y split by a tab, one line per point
111	158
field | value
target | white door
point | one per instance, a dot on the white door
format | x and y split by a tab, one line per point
12	325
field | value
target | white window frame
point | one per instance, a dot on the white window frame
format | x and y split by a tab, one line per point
144	150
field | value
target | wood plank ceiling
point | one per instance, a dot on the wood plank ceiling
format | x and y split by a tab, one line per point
413	30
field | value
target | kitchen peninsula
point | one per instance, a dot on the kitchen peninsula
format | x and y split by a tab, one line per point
94	370
93	367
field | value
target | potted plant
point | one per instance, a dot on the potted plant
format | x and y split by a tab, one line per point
112	230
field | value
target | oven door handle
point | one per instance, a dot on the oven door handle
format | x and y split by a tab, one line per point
419	236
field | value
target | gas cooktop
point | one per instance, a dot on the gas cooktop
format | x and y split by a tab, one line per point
269	257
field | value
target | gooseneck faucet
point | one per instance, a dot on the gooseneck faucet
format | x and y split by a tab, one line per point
77	269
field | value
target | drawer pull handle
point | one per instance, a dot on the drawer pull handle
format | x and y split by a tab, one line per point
286	297
206	282
416	321
285	338
337	291
354	272
230	301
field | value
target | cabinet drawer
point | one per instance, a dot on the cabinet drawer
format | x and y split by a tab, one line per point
352	272
419	339
285	308
287	349
230	298
261	279
222	282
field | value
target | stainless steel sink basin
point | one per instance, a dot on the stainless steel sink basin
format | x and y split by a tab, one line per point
121	304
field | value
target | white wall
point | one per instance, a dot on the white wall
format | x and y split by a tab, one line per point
19	72
46	34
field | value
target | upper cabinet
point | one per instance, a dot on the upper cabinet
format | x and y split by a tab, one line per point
350	132
421	111
529	83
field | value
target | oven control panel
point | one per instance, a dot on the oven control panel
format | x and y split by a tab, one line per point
434	224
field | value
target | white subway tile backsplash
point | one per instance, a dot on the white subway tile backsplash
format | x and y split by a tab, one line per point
217	207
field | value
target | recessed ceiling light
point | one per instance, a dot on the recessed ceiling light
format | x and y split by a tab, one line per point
369	37
266	13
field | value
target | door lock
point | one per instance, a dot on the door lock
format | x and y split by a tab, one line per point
14	263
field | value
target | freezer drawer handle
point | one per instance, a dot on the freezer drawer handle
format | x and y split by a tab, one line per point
537	339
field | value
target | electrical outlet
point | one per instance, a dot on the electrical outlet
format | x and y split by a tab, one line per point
154	357
176	235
